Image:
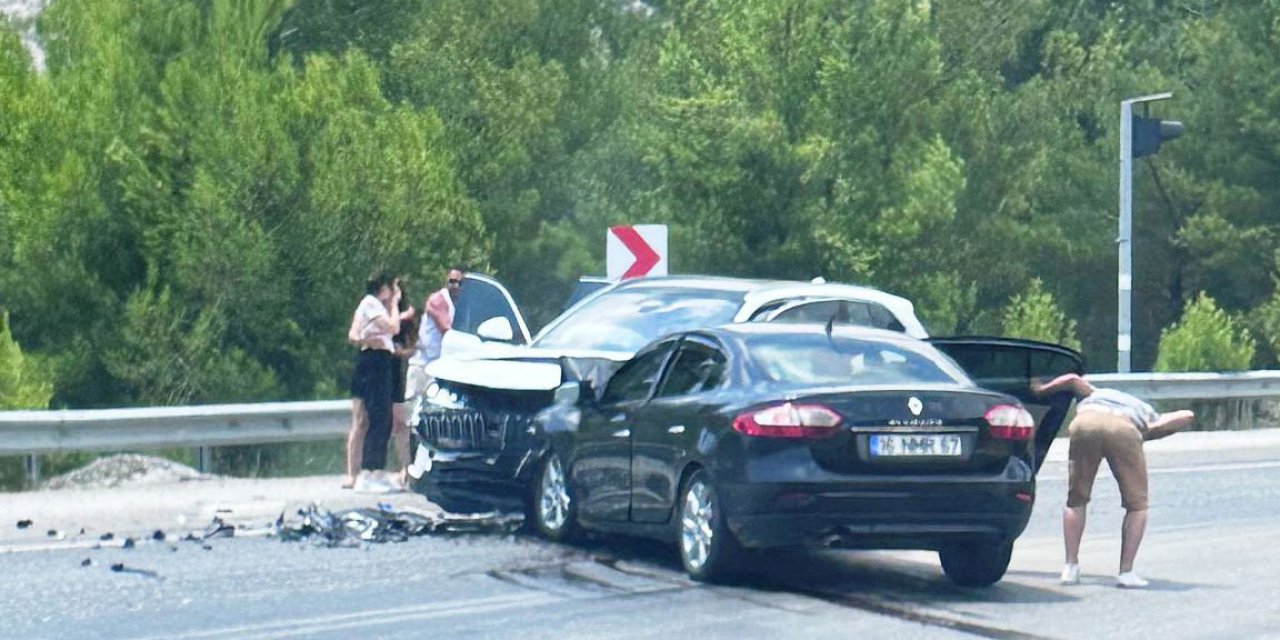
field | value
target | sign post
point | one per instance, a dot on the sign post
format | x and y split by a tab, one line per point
634	251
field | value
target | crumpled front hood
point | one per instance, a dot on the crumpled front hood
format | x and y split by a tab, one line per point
498	365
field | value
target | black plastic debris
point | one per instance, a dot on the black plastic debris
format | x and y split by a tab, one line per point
107	536
81	530
52	533
128	544
356	526
120	568
158	535
86	562
218	529
207	547
23	524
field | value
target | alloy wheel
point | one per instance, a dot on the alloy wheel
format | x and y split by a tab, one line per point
697	533
553	496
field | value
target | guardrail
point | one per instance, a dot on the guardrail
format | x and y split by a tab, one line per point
30	433
202	427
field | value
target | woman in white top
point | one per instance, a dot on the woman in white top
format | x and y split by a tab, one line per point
372	327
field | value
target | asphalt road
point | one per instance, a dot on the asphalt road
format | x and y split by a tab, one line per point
1211	554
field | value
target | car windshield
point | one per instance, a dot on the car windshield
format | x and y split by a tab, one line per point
817	359
627	319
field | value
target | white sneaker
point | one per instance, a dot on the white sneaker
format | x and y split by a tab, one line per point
1130	580
1070	574
369	483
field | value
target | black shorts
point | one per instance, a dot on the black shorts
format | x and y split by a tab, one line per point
374	375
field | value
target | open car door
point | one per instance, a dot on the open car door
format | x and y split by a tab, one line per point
482	299
1009	365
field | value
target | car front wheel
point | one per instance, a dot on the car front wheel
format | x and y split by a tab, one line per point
708	550
976	564
554	513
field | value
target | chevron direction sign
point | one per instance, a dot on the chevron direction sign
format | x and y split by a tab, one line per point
635	251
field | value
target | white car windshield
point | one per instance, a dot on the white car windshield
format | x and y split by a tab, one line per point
627	319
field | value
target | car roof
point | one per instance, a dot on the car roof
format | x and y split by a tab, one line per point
759	289
750	329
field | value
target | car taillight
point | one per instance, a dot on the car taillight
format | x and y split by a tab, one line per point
787	420
1010	422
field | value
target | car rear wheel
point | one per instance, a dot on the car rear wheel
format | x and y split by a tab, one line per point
976	564
708	550
554	512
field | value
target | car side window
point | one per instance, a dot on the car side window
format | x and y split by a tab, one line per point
634	380
696	368
479	301
855	312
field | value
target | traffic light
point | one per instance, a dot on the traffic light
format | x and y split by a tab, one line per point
1148	133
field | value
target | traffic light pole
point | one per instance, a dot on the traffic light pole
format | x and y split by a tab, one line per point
1124	339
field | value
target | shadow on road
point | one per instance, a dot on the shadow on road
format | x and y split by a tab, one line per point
825	573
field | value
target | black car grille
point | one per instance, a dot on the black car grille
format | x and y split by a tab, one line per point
469	429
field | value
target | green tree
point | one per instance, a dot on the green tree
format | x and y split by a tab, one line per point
24	384
1034	314
1205	339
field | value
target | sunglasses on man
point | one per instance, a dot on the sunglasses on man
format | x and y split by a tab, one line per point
454	282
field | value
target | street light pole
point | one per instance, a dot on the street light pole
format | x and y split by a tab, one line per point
1124	340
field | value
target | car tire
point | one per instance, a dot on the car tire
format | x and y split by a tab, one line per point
976	564
708	550
552	508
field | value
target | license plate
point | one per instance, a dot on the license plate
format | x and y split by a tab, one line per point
894	445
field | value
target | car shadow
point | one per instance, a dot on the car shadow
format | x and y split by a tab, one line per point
842	574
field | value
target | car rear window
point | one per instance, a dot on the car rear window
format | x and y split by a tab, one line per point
819	359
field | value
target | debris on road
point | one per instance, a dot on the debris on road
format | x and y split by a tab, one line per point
128	544
218	529
23	524
158	535
107	536
355	526
120	568
86	562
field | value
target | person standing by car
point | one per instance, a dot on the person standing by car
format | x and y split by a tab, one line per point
438	309
1109	424
375	322
405	345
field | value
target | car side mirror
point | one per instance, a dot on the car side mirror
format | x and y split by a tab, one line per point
568	393
575	392
497	328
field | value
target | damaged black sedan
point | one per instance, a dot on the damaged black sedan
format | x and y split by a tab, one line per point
765	436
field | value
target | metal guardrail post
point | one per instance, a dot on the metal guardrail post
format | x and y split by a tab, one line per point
32	464
204	459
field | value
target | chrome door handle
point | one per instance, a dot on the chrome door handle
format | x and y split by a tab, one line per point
676	430
622	433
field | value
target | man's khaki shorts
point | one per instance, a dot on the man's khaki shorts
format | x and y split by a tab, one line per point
1100	434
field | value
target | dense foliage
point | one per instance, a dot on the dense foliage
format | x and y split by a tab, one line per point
192	191
1205	339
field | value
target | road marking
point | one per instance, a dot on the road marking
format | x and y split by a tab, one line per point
315	624
1225	466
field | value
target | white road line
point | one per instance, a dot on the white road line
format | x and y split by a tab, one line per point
315	624
1226	466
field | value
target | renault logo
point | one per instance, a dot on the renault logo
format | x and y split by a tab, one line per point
915	405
